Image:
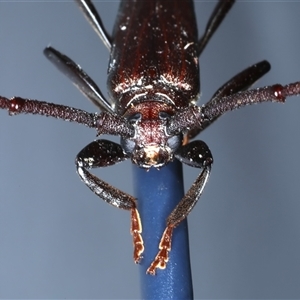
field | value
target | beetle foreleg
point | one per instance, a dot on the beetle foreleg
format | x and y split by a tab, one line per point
102	153
240	82
198	155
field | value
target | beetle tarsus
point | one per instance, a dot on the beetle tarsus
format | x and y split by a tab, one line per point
162	257
136	230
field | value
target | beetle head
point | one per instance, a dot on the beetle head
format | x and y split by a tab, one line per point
151	145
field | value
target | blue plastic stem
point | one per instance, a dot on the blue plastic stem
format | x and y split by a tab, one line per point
158	192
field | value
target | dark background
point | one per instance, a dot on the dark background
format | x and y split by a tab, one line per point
58	240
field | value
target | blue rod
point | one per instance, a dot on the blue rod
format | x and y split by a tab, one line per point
158	192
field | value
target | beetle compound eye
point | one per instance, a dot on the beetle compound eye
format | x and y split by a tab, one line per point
128	145
135	118
174	142
164	115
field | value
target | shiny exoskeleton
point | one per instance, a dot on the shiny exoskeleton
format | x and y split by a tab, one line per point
153	82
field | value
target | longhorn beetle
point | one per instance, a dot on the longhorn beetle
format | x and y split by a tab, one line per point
153	82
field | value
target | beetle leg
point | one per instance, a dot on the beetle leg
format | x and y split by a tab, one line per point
194	117
105	123
215	20
79	78
94	19
198	155
18	105
272	93
239	82
102	153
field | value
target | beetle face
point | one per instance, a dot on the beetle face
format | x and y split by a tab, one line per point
151	145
